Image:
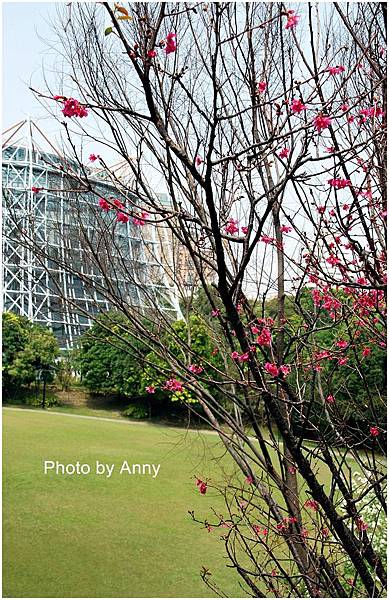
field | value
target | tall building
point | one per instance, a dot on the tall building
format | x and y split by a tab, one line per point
64	259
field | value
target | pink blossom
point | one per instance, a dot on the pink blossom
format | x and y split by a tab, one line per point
304	532
202	486
121	217
342	362
264	339
215	313
140	219
72	108
196	369
366	351
118	204
330	399
244	357
342	344
292	19
245	230
374	431
172	385
321	122
339	183
330	149
243	504
284	370
93	157
262	85
284	153
335	70
266	239
150	389
171	45
235	355
361	525
333	260
231	227
292	470
271	368
198	161
344	107
312	504
36	190
104	204
325	532
285	229
321	210
249	479
346	206
373	111
297	106
151	54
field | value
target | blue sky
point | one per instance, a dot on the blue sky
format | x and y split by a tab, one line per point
23	54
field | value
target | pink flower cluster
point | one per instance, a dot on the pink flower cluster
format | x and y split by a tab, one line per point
264	338
171	44
260	530
150	389
335	70
285	522
245	357
36	190
297	106
232	227
312	504
292	19
374	431
202	486
361	525
196	369
285	229
172	385
262	85
339	183
321	122
72	108
284	153
275	371
373	111
140	220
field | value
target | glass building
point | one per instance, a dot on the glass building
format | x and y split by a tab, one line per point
64	259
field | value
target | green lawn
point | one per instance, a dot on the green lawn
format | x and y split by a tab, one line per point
127	536
88	536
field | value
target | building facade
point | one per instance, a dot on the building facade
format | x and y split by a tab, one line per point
64	259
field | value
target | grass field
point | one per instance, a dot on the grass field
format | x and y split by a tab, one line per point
127	536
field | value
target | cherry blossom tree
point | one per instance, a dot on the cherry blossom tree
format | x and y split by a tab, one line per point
266	126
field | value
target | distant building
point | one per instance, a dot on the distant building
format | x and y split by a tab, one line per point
47	230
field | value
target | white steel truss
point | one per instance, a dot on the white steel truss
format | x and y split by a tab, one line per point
56	270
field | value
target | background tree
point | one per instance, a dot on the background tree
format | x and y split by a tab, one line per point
29	352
